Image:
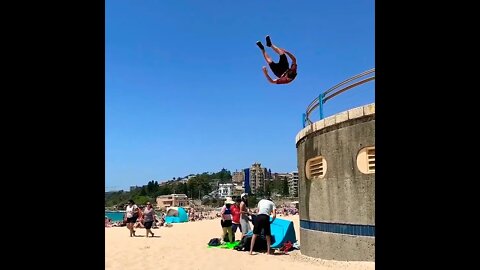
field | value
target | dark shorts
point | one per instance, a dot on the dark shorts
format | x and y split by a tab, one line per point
262	222
148	224
131	219
226	223
279	68
235	226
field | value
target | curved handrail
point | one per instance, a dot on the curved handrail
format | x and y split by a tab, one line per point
342	83
320	100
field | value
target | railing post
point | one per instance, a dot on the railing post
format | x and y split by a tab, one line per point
320	105
304	118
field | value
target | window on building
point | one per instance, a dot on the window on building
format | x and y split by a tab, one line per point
316	168
366	160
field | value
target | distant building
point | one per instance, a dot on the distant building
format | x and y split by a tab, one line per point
226	190
257	178
246	182
176	200
238	190
238	177
293	184
253	179
280	176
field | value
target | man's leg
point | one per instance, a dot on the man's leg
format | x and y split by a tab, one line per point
224	232
265	55
230	234
252	243
280	51
243	226
269	241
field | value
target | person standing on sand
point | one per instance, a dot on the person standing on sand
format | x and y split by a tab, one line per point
148	218
244	212
262	222
131	213
235	210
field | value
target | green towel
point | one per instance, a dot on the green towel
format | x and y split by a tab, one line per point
227	245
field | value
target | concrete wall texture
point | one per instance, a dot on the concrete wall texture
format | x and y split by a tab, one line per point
337	212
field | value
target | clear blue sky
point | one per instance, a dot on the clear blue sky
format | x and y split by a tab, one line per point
185	92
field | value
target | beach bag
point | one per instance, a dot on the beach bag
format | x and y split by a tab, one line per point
242	245
214	242
260	244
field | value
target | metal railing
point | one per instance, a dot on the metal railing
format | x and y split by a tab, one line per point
348	84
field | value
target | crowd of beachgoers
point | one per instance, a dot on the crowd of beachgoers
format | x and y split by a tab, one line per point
194	214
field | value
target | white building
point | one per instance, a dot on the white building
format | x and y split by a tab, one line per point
225	190
293	184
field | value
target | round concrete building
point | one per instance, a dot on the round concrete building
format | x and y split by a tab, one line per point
336	168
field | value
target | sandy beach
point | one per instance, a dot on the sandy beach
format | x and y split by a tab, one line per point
184	246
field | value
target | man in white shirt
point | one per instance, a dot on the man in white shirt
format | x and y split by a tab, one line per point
262	221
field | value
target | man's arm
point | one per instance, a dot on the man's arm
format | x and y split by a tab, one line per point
268	76
274	216
243	208
222	211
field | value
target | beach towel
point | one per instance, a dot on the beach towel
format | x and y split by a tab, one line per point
226	245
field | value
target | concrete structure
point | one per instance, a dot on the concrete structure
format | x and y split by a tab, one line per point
293	184
172	200
336	166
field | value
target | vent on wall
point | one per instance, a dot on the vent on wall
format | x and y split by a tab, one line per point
366	160
316	168
371	159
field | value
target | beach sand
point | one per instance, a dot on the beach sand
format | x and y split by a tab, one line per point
184	246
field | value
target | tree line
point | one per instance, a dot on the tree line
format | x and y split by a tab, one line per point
196	187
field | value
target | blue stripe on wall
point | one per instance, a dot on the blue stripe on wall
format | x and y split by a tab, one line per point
351	229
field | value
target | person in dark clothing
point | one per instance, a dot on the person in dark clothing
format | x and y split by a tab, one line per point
281	69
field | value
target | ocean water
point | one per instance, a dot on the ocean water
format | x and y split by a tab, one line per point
115	216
